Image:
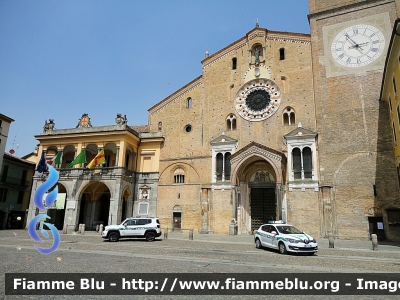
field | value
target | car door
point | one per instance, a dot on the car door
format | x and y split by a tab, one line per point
142	226
265	235
130	228
274	234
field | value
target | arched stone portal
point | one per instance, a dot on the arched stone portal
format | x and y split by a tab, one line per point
257	177
94	205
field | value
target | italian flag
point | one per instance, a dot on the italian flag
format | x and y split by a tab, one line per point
98	160
56	160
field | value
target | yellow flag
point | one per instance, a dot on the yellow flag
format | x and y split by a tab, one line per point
98	160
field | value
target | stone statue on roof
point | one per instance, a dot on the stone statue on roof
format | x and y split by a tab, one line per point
121	120
48	125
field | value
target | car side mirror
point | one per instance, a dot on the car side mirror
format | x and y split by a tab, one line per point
274	233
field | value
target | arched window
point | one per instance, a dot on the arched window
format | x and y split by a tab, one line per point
220	165
296	163
223	167
307	163
234	61
282	54
227	166
189	102
289	116
285	119
231	122
292	118
179	175
302	163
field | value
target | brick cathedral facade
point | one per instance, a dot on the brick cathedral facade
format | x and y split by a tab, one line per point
278	126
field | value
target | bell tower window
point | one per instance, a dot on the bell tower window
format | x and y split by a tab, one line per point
189	102
231	122
289	116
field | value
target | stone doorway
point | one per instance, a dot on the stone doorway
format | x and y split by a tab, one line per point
376	227
263	206
177	219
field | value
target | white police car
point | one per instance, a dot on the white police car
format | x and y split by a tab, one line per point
285	238
140	227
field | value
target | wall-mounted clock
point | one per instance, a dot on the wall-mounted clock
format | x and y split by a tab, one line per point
357	45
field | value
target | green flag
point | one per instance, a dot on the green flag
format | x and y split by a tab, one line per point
80	159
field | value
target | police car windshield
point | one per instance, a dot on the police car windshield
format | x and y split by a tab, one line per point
288	230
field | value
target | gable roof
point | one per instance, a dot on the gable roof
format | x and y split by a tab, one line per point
301	131
278	154
223	139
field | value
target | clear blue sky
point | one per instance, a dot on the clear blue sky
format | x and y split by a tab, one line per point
60	59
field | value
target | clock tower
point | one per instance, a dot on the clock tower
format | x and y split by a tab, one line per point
349	40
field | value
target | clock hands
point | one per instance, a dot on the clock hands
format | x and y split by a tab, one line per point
359	45
355	45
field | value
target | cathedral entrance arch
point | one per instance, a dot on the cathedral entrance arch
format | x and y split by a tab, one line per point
257	173
94	205
262	197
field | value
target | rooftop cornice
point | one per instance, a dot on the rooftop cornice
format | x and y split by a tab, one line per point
176	95
88	130
257	32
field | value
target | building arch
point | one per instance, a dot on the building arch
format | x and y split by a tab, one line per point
94	205
68	156
191	174
91	151
254	152
110	153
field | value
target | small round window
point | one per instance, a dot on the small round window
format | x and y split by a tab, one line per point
188	128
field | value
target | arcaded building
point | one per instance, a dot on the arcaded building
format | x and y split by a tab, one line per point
278	126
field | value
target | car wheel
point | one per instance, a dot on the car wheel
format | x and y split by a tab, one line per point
282	248
150	236
258	244
113	236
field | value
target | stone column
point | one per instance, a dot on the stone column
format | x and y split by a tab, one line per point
327	210
116	158
264	50
233	227
204	211
114	215
279	201
71	214
129	206
120	159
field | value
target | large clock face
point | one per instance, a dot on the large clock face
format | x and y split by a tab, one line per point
258	99
357	45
